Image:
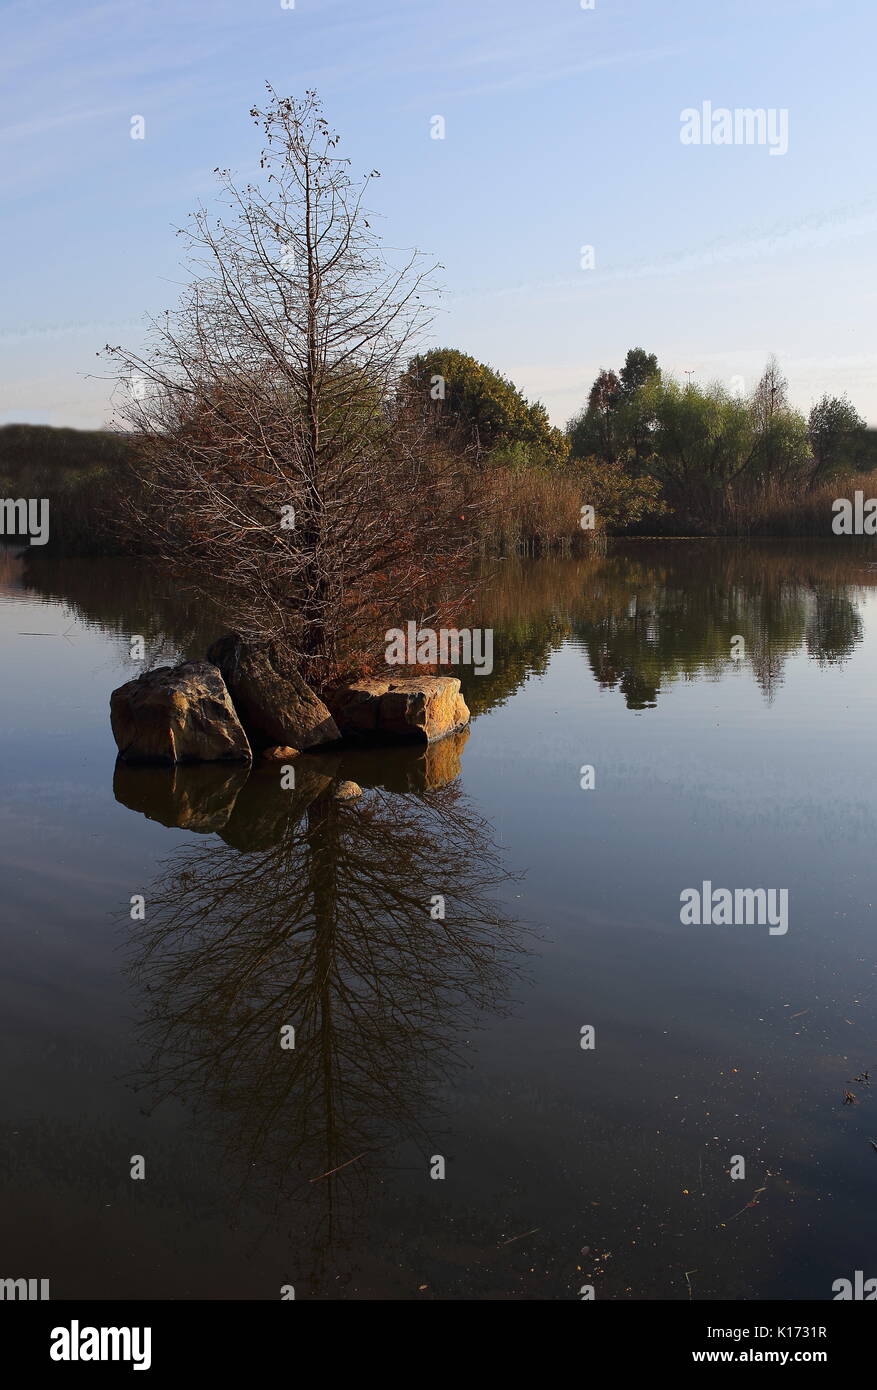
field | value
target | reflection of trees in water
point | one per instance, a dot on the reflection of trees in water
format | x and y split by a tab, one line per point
679	624
323	922
834	627
12	564
647	616
128	595
672	631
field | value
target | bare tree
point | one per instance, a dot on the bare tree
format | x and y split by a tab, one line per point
771	394
781	452
273	466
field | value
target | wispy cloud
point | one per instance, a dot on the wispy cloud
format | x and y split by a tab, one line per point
24	130
554	73
55	332
820	230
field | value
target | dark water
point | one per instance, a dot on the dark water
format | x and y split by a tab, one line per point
459	1038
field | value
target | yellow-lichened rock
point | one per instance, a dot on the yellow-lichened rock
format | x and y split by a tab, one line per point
177	714
424	708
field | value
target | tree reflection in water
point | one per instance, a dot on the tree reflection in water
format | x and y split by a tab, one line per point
316	913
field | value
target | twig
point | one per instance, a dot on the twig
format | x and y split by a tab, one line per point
338	1169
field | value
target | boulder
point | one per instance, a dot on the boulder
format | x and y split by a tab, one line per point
421	708
276	707
177	714
279	755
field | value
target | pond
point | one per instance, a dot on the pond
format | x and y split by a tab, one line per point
520	1067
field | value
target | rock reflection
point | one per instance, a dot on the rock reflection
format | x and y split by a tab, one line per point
194	796
250	808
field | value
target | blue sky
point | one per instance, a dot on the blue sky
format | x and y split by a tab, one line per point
562	130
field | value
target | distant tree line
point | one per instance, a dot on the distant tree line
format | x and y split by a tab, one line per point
717	453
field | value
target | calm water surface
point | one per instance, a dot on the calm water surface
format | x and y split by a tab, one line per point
461	1038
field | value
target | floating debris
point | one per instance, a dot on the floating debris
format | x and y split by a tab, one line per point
753	1203
520	1237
